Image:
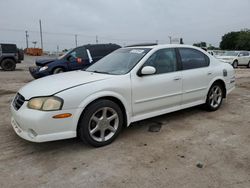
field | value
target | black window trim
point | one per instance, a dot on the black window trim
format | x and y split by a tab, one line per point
207	59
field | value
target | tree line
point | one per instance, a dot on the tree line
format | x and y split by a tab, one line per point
235	40
239	40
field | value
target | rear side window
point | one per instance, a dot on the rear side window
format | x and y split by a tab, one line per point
9	48
101	50
245	54
192	59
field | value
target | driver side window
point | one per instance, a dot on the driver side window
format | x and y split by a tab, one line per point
163	61
79	53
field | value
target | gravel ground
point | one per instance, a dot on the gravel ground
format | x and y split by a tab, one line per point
193	148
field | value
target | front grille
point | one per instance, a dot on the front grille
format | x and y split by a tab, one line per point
18	101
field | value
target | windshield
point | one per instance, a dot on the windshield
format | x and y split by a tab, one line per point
231	53
120	61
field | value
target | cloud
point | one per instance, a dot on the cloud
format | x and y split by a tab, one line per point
121	21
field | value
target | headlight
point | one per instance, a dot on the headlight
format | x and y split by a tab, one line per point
45	103
43	68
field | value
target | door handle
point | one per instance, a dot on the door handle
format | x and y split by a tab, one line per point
177	78
209	73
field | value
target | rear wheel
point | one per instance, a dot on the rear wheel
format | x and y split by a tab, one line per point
8	65
214	97
58	70
235	64
248	65
100	123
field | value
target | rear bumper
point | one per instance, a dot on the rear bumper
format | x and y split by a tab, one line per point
230	85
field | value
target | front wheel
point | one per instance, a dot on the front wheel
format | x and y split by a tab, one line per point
248	65
58	70
100	123
214	97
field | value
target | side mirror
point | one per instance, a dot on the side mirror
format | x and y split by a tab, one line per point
240	55
148	70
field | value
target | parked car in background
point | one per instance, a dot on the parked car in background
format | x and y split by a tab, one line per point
10	55
128	85
78	58
236	58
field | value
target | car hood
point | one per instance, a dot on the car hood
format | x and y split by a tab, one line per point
43	62
53	84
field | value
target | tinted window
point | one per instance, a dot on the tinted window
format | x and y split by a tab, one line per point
101	50
245	54
163	61
9	48
192	59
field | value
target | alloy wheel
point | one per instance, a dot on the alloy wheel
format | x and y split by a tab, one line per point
103	124
215	96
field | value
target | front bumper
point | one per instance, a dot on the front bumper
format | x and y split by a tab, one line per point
35	73
39	126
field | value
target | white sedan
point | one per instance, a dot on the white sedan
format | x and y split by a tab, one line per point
130	84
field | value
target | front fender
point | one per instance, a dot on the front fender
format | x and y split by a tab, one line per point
102	94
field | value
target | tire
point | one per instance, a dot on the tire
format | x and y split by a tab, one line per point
248	65
214	97
8	65
58	70
97	131
235	64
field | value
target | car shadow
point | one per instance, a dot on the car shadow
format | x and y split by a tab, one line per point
77	145
16	70
165	119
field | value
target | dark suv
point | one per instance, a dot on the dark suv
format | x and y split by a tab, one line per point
10	55
78	58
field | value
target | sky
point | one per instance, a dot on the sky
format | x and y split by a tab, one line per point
120	21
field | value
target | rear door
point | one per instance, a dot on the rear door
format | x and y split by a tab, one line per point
196	75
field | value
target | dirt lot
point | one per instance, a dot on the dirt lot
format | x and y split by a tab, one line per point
217	142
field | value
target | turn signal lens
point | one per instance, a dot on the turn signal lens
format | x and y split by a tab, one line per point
59	116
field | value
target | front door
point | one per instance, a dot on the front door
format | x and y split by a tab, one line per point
153	94
77	59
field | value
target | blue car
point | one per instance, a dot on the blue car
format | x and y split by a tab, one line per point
78	58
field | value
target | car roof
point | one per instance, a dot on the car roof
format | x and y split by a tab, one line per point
159	46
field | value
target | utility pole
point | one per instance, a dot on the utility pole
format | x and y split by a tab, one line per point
96	39
170	39
27	42
76	40
57	50
41	33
